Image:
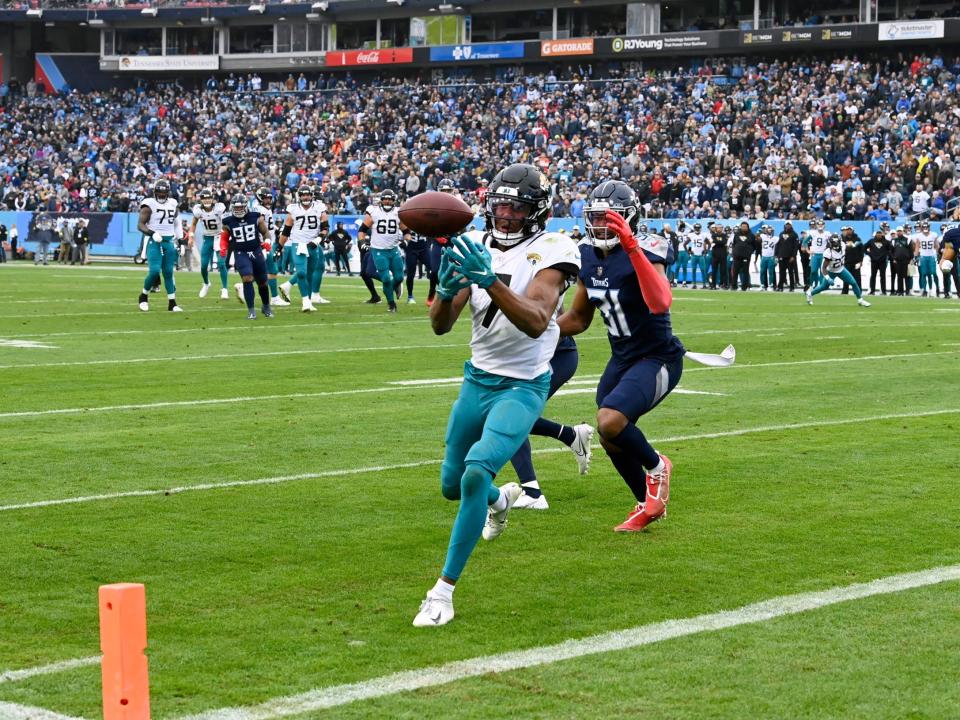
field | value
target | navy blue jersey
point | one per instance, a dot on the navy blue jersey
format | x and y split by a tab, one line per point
611	283
243	231
951	239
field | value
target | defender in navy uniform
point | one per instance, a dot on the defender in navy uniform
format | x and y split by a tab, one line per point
416	254
625	277
437	244
246	235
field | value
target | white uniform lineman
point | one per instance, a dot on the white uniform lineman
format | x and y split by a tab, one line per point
159	220
385	231
306	226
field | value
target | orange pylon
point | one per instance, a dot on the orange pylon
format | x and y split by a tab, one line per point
123	639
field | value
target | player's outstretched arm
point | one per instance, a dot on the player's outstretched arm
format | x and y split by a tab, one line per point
578	318
654	286
266	241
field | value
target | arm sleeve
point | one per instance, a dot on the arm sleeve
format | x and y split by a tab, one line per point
654	287
224	241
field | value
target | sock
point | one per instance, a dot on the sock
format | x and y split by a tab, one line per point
272	283
224	270
443	589
659	468
532	489
264	294
501	502
171	303
388	291
205	275
433	288
248	294
522	462
144	297
548	428
632	472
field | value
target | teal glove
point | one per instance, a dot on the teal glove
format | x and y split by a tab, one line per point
449	281
474	261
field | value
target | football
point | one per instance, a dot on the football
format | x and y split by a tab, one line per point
435	214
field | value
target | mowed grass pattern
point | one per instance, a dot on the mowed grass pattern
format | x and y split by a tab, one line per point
267	590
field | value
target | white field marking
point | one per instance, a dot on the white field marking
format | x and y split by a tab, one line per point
425	463
771	335
684	298
7	676
950	344
33	344
429	381
899	341
616	641
12	711
829	337
222	356
947	310
359	391
676	391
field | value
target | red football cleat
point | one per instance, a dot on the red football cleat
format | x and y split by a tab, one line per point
655	506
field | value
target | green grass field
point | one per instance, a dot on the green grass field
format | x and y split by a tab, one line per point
825	457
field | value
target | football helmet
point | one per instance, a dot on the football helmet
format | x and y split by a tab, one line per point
387	200
835	242
517	204
305	194
238	205
610	195
206	198
161	189
446	186
697	226
265	196
924	225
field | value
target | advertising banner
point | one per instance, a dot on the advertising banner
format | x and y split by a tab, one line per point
573	46
910	30
383	56
483	51
169	62
665	43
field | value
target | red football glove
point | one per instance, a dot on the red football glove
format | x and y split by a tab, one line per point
653	286
621	229
442	240
266	246
223	253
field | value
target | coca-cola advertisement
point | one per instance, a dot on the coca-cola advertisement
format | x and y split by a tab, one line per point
383	56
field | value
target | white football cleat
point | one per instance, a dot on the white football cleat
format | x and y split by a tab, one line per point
411	301
308	306
284	291
278	302
238	289
317	300
581	446
145	306
224	294
204	289
809	296
497	520
434	610
863	303
176	308
526	502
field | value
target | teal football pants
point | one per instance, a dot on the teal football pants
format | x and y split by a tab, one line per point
488	424
768	276
161	259
389	265
304	267
826	282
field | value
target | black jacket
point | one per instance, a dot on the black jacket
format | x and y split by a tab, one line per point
853	255
878	251
789	244
744	245
341	240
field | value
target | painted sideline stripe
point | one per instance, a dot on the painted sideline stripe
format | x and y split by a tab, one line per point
424	463
615	641
12	711
16	675
394	386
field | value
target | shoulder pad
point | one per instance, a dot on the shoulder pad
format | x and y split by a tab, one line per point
291	208
654	244
196	210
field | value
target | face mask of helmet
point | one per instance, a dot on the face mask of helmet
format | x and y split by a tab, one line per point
508	218
238	206
387	201
206	199
305	196
161	191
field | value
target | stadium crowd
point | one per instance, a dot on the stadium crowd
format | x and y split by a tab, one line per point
843	138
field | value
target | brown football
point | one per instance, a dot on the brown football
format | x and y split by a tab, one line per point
435	214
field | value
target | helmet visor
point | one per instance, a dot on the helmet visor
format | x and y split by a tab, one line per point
507	214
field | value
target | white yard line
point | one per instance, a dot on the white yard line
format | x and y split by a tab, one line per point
28	344
424	463
12	711
616	641
829	337
8	676
393	386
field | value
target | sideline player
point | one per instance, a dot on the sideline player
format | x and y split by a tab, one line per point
208	214
262	204
240	235
832	268
305	224
926	246
950	249
625	277
698	242
382	224
819	238
160	221
513	281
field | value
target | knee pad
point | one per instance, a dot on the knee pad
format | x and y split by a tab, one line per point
475	480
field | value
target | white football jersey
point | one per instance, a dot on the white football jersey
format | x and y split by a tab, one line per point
209	221
834	259
927	243
818	242
698	241
267	218
385	232
768	245
164	217
306	224
497	345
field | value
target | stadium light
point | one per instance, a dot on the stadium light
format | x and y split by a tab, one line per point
257	8
207	20
35	12
312	16
398	3
321	6
96	22
151	11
